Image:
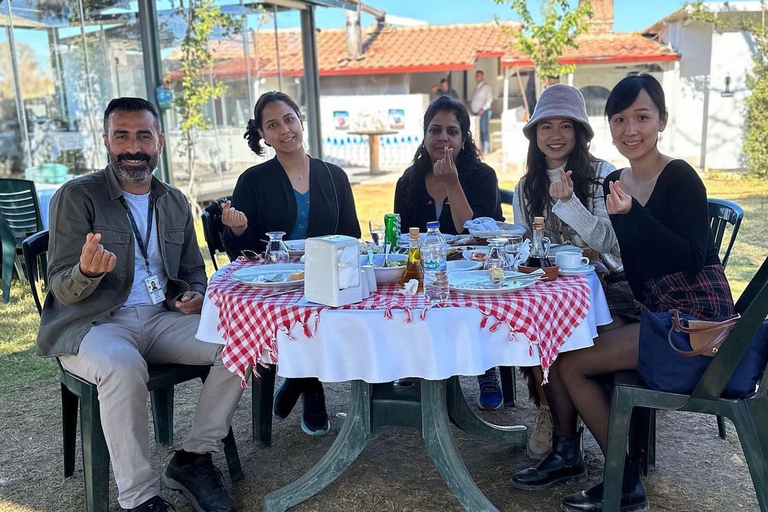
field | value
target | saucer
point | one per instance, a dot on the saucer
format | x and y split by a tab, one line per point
580	271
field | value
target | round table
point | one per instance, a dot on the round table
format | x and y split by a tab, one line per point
372	347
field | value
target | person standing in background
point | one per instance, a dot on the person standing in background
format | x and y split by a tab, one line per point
445	89
480	105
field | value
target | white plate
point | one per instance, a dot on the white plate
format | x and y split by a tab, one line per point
467	253
463	265
295	247
478	282
505	230
581	271
257	275
448	238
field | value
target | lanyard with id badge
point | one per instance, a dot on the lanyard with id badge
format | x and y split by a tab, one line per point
151	282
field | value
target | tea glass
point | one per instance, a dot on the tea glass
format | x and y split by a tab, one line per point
276	252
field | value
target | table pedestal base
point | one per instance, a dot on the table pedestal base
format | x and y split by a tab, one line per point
428	406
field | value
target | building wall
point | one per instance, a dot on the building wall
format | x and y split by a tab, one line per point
687	101
724	135
389	83
708	128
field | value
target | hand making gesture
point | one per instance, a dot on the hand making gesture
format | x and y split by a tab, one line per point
563	189
234	219
94	259
617	202
445	168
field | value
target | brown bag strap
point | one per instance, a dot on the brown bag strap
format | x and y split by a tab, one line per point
724	327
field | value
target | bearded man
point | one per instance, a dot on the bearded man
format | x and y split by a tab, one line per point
126	289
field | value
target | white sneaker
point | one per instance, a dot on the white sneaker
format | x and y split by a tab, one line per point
540	442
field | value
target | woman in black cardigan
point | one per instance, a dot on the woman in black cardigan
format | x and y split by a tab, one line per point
447	181
294	193
658	209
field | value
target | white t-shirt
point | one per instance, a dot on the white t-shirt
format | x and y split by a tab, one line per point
139	295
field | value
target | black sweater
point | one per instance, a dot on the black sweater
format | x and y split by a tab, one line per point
670	233
480	185
264	193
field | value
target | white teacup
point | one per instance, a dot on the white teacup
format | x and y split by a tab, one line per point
570	260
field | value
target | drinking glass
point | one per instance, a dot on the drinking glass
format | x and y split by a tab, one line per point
277	252
512	248
497	257
376	229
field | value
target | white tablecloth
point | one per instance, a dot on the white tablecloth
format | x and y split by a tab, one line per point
353	344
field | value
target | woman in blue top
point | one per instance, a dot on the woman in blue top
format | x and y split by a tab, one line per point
294	193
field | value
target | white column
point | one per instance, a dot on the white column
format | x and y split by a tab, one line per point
506	90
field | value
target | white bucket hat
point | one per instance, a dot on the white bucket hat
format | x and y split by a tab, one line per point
559	100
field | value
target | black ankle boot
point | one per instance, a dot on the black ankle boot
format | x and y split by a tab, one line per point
287	396
633	497
564	464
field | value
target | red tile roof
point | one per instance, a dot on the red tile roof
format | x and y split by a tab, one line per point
604	48
413	50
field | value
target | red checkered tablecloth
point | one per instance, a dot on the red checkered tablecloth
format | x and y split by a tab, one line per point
249	321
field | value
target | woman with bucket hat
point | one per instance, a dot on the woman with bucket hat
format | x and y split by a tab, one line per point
563	184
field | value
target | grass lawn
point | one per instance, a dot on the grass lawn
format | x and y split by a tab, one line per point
19	366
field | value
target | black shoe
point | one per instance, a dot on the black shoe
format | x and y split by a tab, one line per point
154	504
200	481
563	465
315	420
286	397
591	500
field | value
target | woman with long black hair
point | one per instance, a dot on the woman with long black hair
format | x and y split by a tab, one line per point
449	183
564	184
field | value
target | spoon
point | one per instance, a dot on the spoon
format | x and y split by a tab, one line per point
386	253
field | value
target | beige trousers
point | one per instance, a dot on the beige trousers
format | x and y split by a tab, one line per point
114	356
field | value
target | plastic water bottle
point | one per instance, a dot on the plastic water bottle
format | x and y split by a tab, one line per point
433	257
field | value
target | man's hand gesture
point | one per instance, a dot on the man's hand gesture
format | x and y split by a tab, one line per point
190	303
94	259
234	219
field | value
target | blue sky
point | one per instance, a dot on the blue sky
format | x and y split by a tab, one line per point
629	15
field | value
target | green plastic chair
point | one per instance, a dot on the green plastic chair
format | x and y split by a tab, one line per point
77	392
20	214
507	196
212	229
262	388
749	415
722	213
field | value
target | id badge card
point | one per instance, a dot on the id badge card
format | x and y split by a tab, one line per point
156	293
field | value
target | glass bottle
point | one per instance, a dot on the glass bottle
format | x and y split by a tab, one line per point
414	268
276	252
539	247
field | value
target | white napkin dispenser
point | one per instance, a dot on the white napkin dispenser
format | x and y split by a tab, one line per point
332	270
